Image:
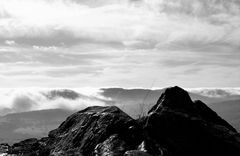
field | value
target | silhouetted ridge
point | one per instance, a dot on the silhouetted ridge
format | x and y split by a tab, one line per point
189	128
64	93
178	100
209	115
174	97
175	126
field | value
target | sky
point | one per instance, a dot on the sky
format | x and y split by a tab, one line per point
126	43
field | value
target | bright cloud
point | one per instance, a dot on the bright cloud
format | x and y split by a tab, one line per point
9	42
160	22
120	42
29	99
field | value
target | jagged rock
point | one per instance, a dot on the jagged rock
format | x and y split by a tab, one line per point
190	128
151	147
85	129
174	97
4	148
136	153
113	146
25	146
32	146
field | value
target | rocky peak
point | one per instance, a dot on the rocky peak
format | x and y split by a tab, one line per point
174	98
184	127
177	100
84	130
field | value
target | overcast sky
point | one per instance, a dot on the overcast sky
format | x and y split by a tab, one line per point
126	43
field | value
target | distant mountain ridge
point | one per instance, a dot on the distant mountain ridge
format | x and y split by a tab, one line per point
229	110
216	92
18	126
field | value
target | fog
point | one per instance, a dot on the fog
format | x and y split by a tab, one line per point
29	99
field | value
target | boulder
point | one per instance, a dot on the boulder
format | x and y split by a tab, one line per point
94	126
32	146
113	146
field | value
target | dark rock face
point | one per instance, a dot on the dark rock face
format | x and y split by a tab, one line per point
94	126
4	148
175	98
114	145
175	126
30	147
190	128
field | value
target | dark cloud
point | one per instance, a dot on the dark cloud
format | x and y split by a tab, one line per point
192	71
12	57
98	3
58	59
4	14
20	73
203	62
200	8
177	63
63	38
73	71
22	104
48	56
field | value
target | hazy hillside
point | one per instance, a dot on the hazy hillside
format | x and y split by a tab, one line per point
17	126
229	110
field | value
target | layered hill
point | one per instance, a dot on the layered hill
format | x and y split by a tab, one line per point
174	126
18	126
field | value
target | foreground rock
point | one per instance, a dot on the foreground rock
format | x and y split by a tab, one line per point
190	128
94	129
175	126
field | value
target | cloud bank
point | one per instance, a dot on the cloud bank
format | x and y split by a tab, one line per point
99	21
31	99
26	99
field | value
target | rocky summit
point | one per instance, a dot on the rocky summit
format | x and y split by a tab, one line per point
174	126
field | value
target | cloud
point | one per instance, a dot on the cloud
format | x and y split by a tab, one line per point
30	99
74	70
27	99
202	61
118	42
192	71
65	21
44	48
176	63
9	42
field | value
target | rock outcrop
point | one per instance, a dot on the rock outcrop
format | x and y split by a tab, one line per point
175	126
190	128
94	129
